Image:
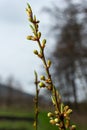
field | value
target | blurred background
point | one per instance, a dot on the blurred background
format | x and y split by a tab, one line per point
64	25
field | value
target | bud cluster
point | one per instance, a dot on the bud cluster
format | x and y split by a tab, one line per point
34	25
45	82
61	118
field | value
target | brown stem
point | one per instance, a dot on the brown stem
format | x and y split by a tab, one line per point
36	103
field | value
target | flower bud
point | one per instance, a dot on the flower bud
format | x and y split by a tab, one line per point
66	108
50	114
44	41
56	112
39	35
35	52
48	63
41	84
73	127
56	120
42	77
52	122
69	111
29	37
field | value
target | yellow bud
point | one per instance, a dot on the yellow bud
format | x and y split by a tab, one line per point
57	124
73	127
35	52
39	35
44	41
34	124
56	112
50	114
41	84
56	120
66	108
69	111
52	122
29	37
42	77
48	63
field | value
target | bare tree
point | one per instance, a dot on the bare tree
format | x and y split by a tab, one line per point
70	52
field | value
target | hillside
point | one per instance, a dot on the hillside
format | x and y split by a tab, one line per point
12	96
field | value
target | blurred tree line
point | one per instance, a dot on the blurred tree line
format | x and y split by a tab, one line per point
12	94
70	53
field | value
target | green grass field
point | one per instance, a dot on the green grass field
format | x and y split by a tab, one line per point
22	125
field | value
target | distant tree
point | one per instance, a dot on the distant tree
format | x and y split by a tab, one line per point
70	53
9	83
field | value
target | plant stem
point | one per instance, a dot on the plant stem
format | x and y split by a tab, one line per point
36	102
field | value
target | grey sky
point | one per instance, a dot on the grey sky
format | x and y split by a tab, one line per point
16	56
16	53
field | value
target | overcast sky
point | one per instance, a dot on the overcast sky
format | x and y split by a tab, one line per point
16	53
16	56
